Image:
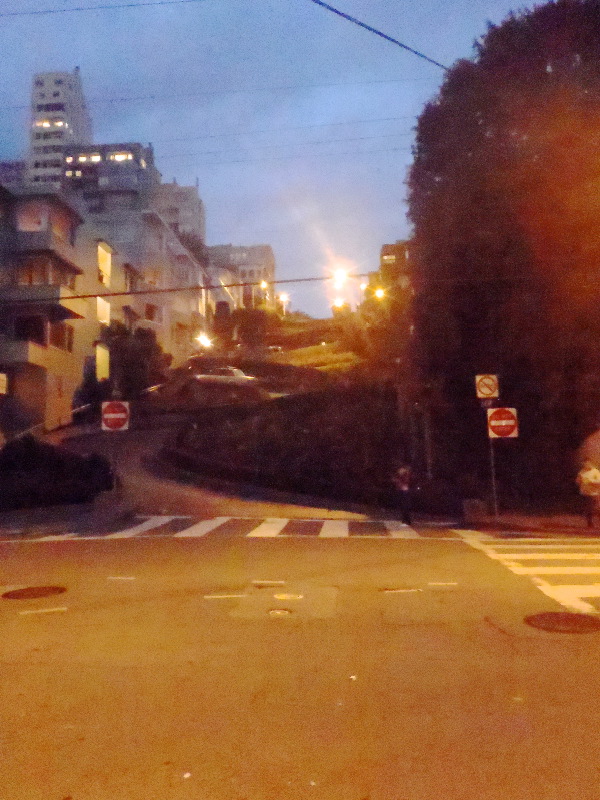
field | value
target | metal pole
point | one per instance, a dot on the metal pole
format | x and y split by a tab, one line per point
493	472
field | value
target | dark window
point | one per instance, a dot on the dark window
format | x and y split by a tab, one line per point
151	311
61	336
58	82
39	82
31	329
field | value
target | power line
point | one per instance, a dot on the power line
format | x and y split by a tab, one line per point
378	33
194	288
95	8
291	144
285	128
213	92
353	153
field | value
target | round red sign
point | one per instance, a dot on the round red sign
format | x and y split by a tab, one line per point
502	422
115	415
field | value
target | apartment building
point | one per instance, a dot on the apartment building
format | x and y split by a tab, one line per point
116	186
59	118
182	209
47	330
253	265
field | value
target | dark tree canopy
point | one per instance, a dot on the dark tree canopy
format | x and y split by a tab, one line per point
505	202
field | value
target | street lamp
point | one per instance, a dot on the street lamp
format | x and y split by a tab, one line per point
284	299
264	285
340	276
204	340
379	294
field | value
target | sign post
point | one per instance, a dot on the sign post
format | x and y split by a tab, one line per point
502	424
115	417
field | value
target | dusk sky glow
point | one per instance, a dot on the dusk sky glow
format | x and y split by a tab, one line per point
296	123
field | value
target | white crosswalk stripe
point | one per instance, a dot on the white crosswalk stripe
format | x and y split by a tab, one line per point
518	555
148	525
335	529
268	529
181	527
398	530
202	528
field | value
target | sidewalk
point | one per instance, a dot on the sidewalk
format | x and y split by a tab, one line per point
537	524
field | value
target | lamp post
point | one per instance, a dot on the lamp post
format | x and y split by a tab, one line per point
284	299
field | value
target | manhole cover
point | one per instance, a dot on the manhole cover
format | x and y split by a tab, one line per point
31	592
279	612
564	622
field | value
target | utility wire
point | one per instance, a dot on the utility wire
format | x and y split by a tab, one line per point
378	33
212	92
194	288
95	8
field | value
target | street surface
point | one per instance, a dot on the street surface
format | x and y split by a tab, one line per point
249	649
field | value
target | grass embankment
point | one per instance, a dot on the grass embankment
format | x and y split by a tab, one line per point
326	358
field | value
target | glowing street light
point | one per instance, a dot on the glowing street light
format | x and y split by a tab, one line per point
340	276
363	286
264	285
284	299
379	294
338	302
204	340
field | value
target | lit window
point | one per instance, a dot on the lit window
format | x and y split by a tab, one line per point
103	311
120	156
59	123
143	163
69	173
69	159
95	157
82	158
45	124
104	263
78	173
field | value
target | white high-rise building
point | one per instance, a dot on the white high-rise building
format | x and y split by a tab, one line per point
59	118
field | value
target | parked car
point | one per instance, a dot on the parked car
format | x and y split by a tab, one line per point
226	374
195	392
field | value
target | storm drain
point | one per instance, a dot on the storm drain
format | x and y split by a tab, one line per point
31	592
564	622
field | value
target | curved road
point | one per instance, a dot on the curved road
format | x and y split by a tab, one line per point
153	488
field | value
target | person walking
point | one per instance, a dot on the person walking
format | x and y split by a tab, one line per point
588	480
402	481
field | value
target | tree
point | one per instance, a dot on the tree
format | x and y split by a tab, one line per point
504	195
136	359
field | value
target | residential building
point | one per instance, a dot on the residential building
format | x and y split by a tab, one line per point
59	118
394	267
116	184
12	173
182	208
253	267
47	330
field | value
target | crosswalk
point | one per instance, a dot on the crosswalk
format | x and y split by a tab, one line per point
566	570
185	527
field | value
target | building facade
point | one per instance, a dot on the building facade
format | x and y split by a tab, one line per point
59	118
253	267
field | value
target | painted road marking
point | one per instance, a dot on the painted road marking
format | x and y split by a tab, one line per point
529	556
202	528
121	578
42	610
268	529
398	530
58	537
335	529
128	533
518	570
223	596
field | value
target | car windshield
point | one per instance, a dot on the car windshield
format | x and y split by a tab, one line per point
299	399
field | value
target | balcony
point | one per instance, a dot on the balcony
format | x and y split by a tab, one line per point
49	358
47	242
59	301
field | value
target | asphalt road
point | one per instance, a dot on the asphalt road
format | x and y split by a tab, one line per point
235	667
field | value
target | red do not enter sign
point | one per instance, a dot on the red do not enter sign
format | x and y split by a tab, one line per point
502	423
115	415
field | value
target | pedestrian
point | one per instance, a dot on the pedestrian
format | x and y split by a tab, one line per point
588	480
402	480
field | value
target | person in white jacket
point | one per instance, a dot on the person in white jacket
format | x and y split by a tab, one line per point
588	480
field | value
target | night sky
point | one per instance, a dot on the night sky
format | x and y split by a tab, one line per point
297	124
